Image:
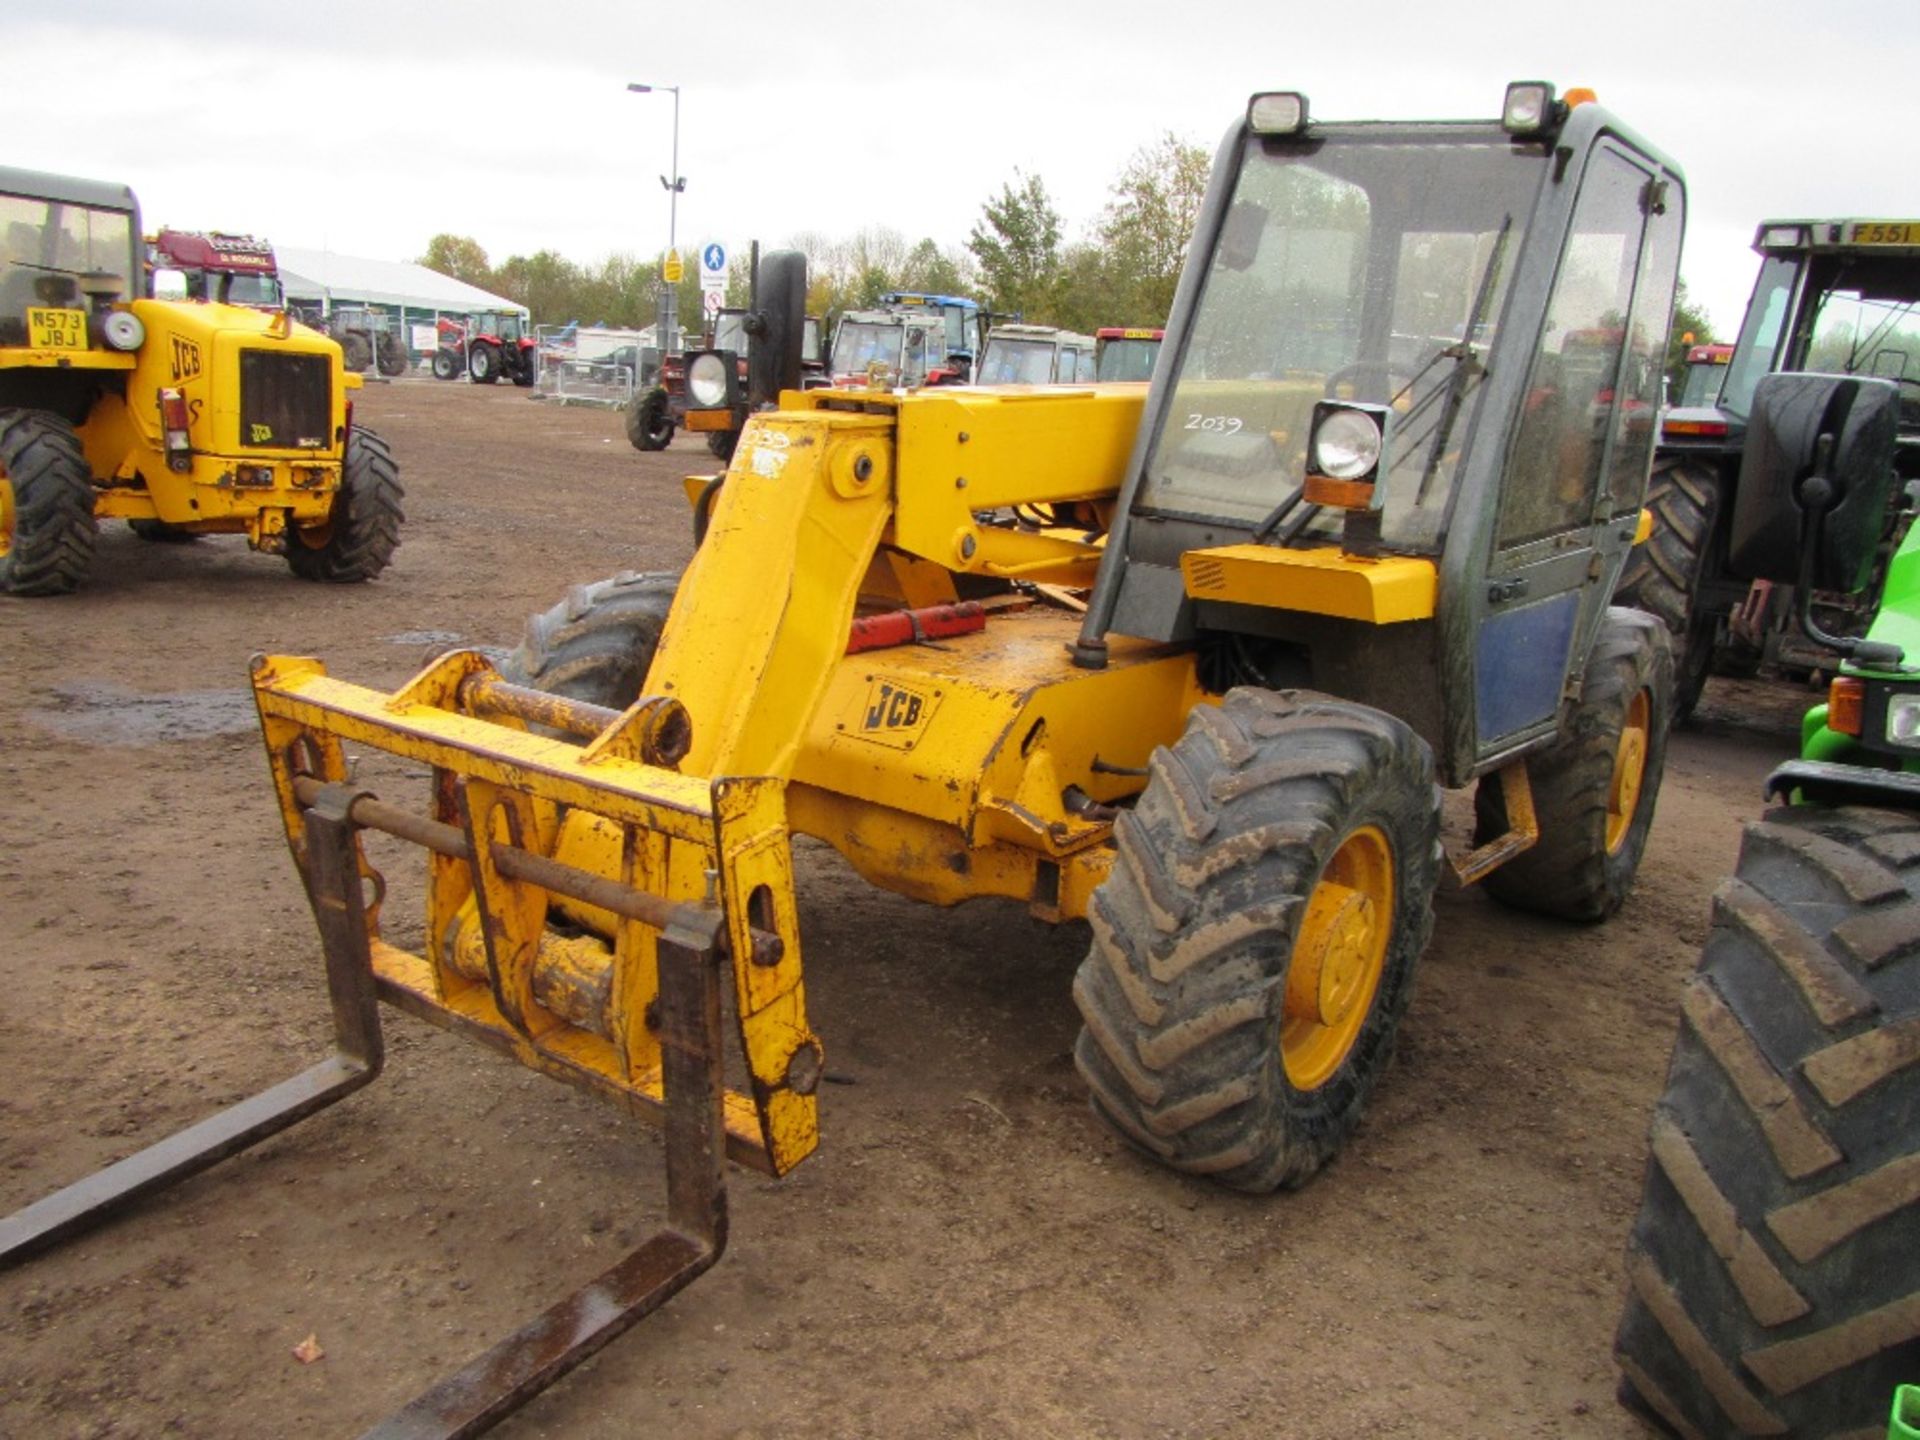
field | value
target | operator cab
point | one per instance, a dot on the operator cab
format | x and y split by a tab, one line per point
1439	341
67	250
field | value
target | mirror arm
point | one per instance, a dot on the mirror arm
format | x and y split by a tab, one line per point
1816	494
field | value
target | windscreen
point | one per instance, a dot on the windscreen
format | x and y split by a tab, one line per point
1128	359
1016	362
861	343
47	249
1363	270
1857	332
258	290
1702	384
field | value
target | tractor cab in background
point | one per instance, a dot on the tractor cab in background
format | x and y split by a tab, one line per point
1126	353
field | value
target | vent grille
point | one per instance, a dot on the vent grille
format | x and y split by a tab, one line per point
285	402
1205	573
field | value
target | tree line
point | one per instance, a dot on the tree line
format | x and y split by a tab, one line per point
1016	260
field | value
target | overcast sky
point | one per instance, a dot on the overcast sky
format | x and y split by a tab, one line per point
366	128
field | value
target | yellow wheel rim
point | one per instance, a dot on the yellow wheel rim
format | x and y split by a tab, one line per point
1629	770
1338	958
6	515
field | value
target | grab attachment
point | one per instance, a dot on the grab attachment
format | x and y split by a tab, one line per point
656	882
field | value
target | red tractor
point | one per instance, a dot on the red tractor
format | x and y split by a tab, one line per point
488	345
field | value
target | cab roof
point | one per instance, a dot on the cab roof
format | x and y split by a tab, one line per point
67	189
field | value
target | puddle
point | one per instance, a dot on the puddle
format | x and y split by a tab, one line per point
444	639
101	714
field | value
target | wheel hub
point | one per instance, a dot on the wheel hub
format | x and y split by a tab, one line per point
1339	955
1629	771
1330	967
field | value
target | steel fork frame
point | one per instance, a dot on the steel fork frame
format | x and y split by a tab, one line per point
506	1376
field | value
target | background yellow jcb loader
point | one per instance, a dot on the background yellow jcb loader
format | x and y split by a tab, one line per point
1193	665
183	418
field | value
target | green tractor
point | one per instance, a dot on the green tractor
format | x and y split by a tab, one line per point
1774	1268
1839	296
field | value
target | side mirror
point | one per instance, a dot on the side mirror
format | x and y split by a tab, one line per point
1815	476
780	308
169	284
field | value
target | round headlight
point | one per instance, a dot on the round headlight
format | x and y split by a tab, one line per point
124	330
707	380
1347	445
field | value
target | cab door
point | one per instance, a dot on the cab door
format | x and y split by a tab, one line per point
1576	470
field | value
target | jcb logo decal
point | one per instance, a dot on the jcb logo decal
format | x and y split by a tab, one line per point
186	359
894	714
258	434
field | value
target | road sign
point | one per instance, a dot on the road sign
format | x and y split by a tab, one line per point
713	261
712	300
670	269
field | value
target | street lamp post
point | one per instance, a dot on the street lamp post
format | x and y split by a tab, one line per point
669	290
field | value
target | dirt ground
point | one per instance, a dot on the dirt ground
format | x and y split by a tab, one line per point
969	1253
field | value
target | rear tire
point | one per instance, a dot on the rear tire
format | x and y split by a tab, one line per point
527	370
650	421
1773	1288
1284	836
597	644
483	364
355	353
1663	577
47	529
392	356
363	528
1594	813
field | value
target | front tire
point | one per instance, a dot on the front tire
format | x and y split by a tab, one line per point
650	421
1594	789
446	365
483	364
527	370
722	443
47	529
1663	577
598	643
1253	948
1773	1288
392	356
363	528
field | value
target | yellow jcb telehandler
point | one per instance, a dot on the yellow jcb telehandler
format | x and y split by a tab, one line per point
183	418
1192	664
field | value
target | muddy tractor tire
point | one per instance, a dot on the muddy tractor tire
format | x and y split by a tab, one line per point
1663	576
47	529
392	356
1594	789
722	443
649	420
446	365
363	529
1772	1288
1254	945
483	364
597	644
356	353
